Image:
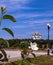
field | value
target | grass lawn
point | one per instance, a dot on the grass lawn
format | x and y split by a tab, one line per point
40	60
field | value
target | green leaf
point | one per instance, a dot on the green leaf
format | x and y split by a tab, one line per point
8	30
9	17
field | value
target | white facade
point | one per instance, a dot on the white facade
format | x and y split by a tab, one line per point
36	36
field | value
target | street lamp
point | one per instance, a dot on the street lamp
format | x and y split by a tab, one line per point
48	51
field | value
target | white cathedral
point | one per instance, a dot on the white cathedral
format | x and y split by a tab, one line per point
36	36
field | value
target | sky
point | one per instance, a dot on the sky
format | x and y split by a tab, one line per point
31	16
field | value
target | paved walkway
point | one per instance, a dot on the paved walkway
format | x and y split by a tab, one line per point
14	55
17	53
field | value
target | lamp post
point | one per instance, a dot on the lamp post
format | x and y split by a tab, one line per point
48	51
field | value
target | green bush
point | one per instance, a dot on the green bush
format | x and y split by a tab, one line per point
23	46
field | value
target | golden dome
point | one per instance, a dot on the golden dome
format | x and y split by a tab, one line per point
36	33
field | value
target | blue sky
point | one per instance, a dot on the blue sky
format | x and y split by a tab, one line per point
31	16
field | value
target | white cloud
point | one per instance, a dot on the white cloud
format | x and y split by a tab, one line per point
26	15
13	5
31	24
14	1
29	15
40	21
19	26
19	1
